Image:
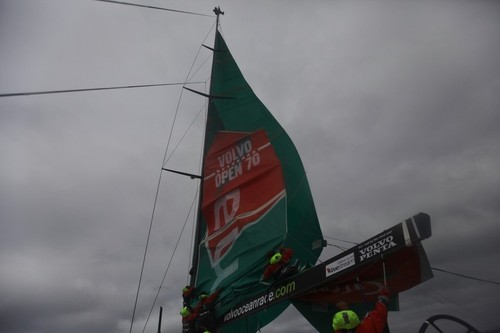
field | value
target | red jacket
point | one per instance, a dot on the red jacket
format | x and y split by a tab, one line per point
375	320
271	269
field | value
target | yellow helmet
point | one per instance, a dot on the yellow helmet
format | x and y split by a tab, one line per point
185	311
345	320
275	258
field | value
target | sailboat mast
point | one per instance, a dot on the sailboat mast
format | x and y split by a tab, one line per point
198	235
217	12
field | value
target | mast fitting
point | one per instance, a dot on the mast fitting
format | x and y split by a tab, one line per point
217	11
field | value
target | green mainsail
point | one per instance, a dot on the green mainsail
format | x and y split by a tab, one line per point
255	198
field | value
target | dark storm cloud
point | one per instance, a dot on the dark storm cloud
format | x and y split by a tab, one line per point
393	107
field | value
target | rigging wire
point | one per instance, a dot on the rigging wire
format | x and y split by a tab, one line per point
93	89
145	251
165	159
433	268
442	300
209	57
153	7
175	248
452	305
170	261
156	201
341	248
185	133
306	249
341	240
154	210
465	276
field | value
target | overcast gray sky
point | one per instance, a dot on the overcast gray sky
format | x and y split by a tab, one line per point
394	107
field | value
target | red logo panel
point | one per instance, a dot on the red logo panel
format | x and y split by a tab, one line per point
242	181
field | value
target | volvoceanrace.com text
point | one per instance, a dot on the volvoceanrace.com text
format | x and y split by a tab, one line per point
260	301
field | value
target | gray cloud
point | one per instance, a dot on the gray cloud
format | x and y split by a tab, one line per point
392	105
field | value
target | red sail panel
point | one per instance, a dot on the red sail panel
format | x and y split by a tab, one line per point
243	180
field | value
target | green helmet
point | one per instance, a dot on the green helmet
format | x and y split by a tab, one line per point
345	320
275	258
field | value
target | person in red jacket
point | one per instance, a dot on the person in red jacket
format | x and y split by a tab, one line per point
205	318
346	321
187	295
277	261
188	319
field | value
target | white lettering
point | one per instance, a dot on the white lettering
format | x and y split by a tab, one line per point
235	154
376	248
222	205
228	174
260	301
